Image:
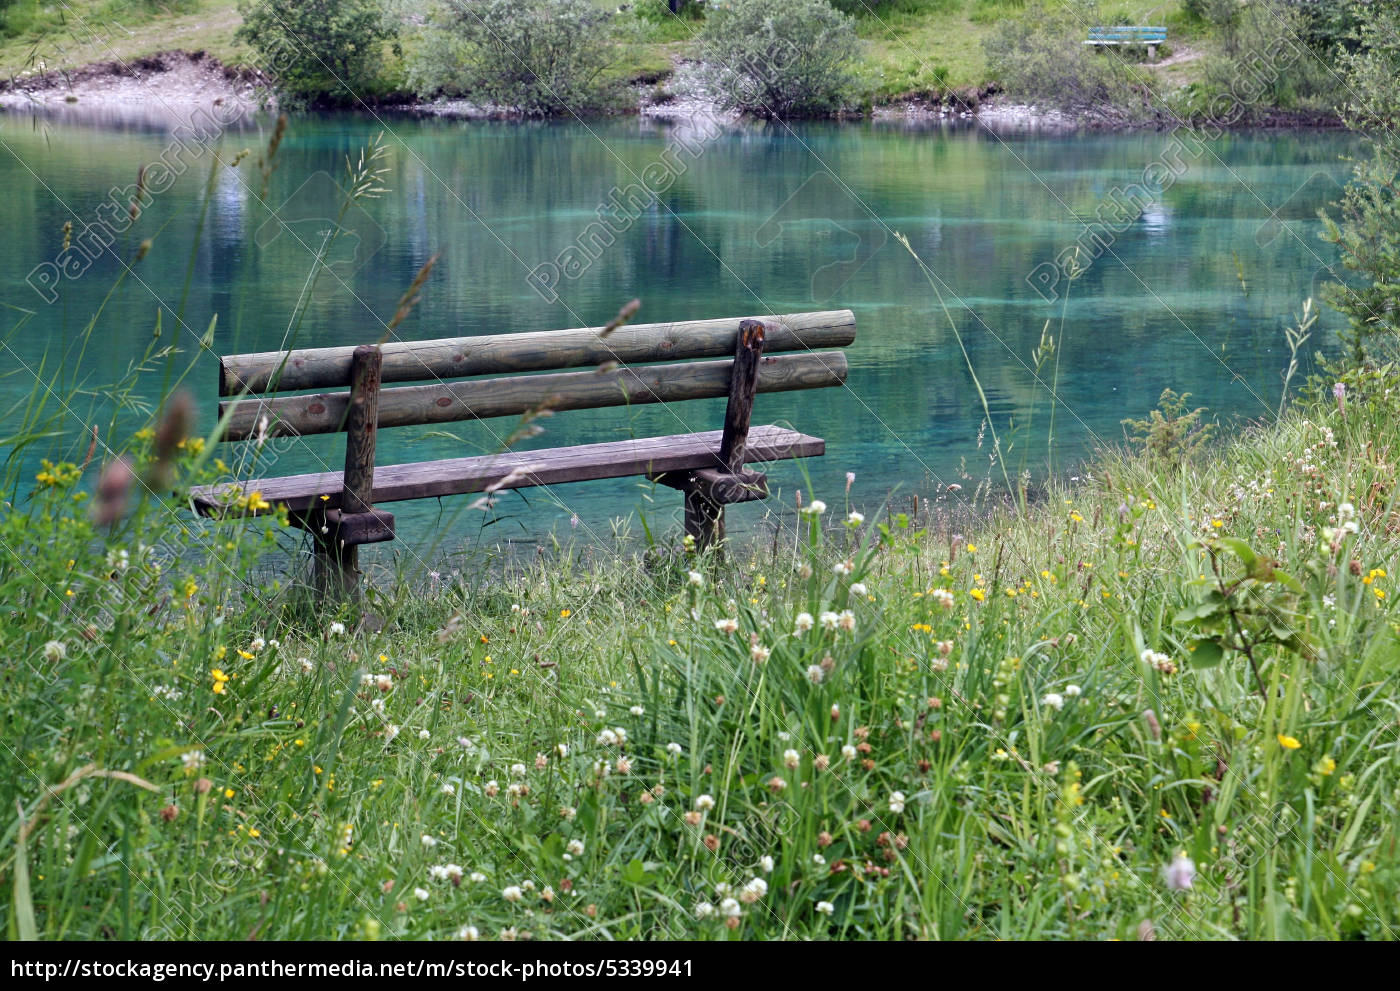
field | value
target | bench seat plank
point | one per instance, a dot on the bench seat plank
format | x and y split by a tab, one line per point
458	476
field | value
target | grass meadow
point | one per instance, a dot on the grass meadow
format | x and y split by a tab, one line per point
1159	702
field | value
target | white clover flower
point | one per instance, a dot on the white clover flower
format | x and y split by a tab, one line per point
760	653
859	589
730	908
815	674
337	629
766	863
1073	691
258	644
575	848
390	732
607	738
814	508
943	597
477	877
825	908
305	664
674	749
846	621
803	623
422	894
449	789
636	710
705	802
727	625
1180	873
695	579
897	802
424	735
624	766
791	759
1053	700
842	568
854	519
517	770
848	752
192	759
444	872
828	621
429	841
704	910
753	890
819	860
469	934
491	789
512	893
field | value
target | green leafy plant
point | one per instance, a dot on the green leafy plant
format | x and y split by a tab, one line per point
537	57
320	51
1171	434
1246	602
791	60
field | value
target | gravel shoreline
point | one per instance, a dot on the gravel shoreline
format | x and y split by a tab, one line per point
169	88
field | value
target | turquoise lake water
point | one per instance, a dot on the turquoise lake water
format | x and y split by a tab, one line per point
1191	289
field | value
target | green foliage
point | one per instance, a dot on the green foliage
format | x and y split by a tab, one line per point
538	57
1040	57
787	60
321	51
1171	435
1244	606
1265	61
1367	229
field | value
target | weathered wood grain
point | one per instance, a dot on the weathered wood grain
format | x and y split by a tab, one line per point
704	514
512	470
362	430
499	354
487	398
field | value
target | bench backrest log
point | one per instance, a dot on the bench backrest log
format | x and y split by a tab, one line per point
511	374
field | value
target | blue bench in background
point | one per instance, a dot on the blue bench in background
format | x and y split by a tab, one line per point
1125	35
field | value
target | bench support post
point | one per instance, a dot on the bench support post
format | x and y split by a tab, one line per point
336	565
704	515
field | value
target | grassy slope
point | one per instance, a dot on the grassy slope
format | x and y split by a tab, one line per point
80	32
491	726
912	46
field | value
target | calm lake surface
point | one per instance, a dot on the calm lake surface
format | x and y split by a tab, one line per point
1193	293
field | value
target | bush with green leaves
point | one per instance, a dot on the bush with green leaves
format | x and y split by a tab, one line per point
1040	57
790	60
1267	60
538	57
1368	228
319	51
1172	434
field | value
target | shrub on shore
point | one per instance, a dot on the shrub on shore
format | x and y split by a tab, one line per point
319	51
538	57
780	60
1040	57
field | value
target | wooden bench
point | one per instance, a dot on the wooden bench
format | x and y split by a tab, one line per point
498	376
1124	35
